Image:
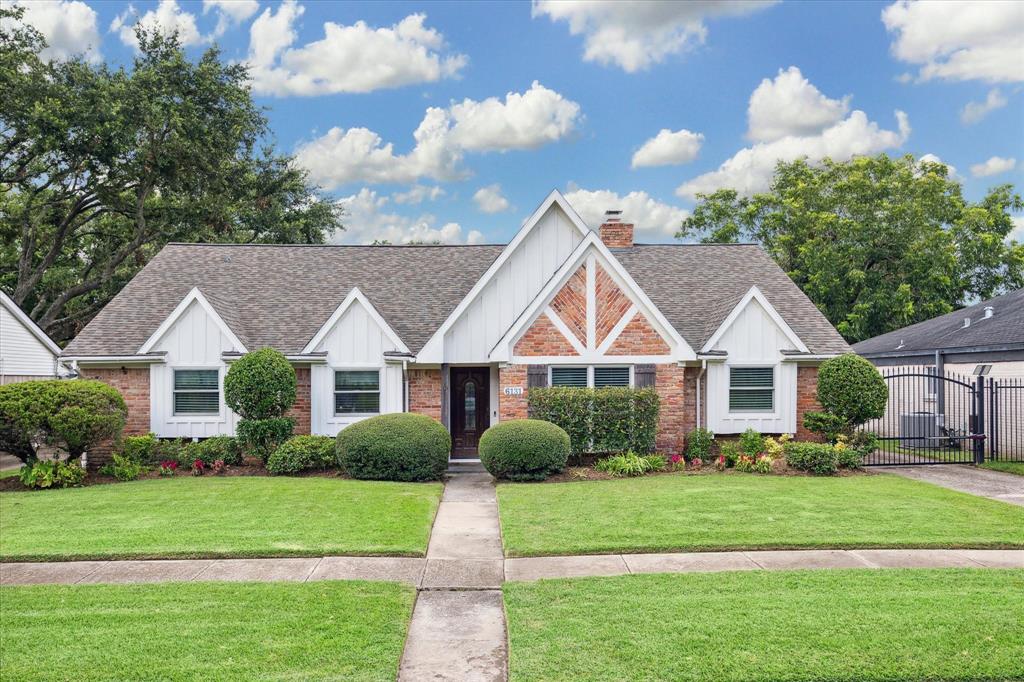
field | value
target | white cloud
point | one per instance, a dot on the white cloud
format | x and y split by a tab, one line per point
750	170
959	39
975	111
932	158
168	17
230	12
994	166
417	194
349	58
791	105
668	148
1017	234
366	220
650	217
69	27
522	121
489	199
635	35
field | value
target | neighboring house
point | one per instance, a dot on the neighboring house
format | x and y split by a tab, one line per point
462	333
26	352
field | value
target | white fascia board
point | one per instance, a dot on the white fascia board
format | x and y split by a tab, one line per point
115	359
432	349
28	323
354	296
755	294
193	296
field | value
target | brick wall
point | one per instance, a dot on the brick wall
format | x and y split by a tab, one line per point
511	406
570	304
615	234
639	338
425	392
301	411
806	399
676	386
133	385
543	338
612	304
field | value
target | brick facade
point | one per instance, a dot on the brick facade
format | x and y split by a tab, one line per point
639	338
612	304
675	418
133	385
806	399
511	406
301	411
616	235
543	338
570	304
425	392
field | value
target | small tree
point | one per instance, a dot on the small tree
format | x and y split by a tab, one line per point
851	391
260	388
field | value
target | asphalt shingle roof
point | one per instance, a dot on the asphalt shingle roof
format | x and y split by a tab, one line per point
280	296
1006	326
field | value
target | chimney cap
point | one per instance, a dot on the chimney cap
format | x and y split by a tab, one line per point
989	311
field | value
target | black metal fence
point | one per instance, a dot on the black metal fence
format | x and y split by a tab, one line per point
948	418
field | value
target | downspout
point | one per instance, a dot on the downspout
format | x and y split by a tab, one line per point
703	366
405	386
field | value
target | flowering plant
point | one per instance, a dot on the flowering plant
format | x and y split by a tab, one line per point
745	464
720	463
219	466
168	467
763	465
677	461
696	463
198	467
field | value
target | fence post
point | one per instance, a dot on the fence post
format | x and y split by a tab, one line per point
979	421
993	419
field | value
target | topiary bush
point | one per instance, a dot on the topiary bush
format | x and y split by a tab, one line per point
260	385
395	447
224	448
851	392
303	453
524	449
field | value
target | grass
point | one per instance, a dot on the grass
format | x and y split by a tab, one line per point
219	517
209	631
745	511
1008	467
9	473
944	624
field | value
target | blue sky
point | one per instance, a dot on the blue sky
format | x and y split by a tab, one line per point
513	99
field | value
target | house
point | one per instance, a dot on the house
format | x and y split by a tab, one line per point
26	352
462	333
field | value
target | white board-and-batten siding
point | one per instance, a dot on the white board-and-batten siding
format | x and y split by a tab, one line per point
355	342
22	354
754	339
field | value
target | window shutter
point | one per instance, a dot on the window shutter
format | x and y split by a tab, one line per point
536	376
643	376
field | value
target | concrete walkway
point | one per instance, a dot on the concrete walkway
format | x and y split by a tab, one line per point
458	623
997	485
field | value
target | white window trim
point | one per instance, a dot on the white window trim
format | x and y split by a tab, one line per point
590	373
334	392
217	416
774	413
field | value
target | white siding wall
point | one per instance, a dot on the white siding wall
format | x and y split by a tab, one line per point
511	290
194	342
356	342
753	340
21	352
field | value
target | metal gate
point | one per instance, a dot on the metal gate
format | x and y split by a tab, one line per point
1006	419
931	418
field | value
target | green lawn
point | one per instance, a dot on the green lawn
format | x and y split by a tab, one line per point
746	511
1008	467
219	517
944	624
204	631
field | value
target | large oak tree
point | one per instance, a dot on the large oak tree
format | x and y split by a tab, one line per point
876	243
100	167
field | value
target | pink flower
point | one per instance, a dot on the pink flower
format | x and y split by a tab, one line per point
677	458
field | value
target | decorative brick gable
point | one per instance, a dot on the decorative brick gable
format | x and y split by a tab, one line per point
425	392
570	304
639	338
612	304
544	338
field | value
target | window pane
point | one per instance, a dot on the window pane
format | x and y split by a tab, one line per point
758	400
569	376
611	376
196	403
752	377
361	380
356	403
195	379
469	405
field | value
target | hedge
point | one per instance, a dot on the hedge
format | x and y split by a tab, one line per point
524	449
303	453
395	447
600	420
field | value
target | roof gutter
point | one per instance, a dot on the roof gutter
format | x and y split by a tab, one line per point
114	359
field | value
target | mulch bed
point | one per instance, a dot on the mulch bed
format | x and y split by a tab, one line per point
13	483
573	474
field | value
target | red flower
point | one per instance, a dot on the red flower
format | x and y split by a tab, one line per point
676	459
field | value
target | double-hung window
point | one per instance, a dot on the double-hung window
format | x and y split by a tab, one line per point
751	389
589	377
196	392
357	391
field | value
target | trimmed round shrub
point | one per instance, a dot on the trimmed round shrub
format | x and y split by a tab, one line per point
260	385
524	449
260	437
210	450
395	447
850	388
303	453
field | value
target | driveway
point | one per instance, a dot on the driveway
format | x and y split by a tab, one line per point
967	479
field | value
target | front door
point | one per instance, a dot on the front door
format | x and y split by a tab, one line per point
471	392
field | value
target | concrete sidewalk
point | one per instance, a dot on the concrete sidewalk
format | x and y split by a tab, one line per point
996	485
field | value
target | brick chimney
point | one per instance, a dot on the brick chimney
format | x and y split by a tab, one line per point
615	233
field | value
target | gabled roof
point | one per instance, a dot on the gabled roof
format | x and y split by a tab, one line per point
28	323
1005	327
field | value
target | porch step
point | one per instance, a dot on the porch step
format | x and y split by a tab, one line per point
465	466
